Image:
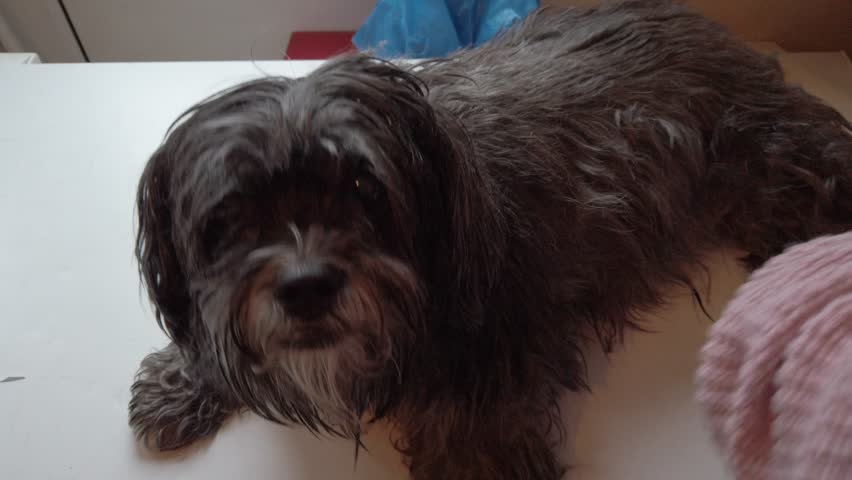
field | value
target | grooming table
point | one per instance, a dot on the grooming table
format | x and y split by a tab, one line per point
74	323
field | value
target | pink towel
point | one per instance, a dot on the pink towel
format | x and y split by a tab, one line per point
776	372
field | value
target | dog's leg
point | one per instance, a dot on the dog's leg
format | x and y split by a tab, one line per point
798	179
175	403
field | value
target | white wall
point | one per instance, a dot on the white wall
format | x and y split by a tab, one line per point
37	26
141	30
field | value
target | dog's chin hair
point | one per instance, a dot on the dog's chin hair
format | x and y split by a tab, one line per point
330	379
314	372
318	375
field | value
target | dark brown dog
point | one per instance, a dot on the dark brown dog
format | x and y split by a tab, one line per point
434	244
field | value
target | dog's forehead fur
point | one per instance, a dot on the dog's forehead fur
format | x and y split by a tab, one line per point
239	140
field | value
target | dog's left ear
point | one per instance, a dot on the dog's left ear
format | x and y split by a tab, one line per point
461	217
461	228
471	232
466	224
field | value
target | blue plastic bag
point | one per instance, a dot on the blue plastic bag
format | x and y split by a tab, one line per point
434	28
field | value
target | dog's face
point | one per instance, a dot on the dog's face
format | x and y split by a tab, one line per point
293	231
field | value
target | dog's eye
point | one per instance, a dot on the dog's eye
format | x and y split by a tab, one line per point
219	236
367	187
230	223
216	236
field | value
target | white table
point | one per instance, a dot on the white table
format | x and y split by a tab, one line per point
74	323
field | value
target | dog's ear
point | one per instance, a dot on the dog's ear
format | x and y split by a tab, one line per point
461	220
159	268
472	239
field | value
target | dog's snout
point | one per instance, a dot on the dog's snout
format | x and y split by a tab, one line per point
307	288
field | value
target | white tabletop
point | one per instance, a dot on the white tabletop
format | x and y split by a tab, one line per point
74	323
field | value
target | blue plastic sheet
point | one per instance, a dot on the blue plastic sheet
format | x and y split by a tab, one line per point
434	28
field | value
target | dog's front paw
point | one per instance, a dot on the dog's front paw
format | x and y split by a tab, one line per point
169	408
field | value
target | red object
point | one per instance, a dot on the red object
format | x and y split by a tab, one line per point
318	45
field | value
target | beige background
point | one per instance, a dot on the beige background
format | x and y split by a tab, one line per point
796	25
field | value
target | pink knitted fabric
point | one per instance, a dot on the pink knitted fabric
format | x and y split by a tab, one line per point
775	379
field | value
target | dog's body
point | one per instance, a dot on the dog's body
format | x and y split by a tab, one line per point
511	202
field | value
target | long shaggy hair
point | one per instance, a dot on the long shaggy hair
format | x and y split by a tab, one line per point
435	243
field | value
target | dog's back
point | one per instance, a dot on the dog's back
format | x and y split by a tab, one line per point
652	135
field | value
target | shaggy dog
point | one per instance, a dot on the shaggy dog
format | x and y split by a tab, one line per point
434	244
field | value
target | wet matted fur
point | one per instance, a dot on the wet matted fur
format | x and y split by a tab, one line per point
466	226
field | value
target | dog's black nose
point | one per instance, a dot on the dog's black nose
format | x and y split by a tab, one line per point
307	288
